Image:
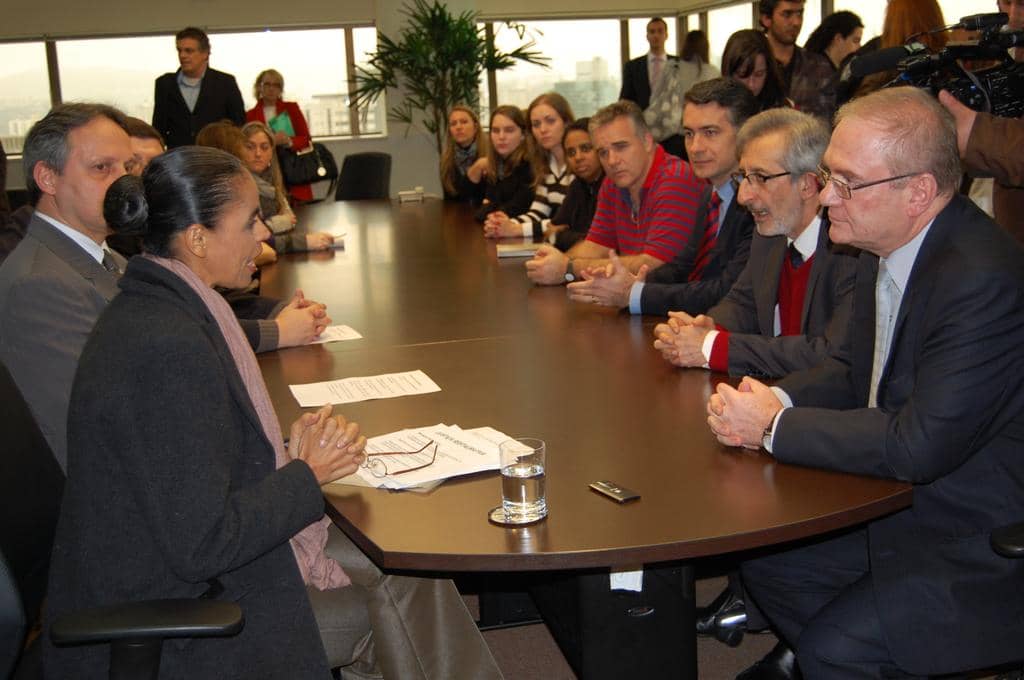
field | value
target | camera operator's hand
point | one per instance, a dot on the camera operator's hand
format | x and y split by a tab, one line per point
963	116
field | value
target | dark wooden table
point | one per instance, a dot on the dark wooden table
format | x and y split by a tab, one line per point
427	292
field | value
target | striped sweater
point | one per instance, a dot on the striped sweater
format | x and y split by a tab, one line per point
548	197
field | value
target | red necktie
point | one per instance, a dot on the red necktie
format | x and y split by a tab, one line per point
707	241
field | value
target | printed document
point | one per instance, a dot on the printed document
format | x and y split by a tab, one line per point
348	390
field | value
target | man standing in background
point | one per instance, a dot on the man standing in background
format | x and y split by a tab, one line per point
195	95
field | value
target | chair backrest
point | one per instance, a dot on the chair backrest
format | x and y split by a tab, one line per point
364	175
31	487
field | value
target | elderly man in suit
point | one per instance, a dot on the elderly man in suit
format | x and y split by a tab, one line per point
718	247
933	394
196	95
791	305
59	278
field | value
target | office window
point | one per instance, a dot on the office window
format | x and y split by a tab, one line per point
26	91
372	119
121	71
722	23
115	71
638	37
585	63
312	63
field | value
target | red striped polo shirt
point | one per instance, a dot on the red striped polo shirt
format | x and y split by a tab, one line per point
665	220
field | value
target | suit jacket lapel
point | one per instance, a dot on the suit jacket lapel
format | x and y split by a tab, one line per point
818	264
78	259
766	291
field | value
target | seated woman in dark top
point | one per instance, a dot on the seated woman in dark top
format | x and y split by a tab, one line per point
748	58
178	477
509	165
464	161
571	222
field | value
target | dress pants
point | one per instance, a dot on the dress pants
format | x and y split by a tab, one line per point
397	627
820	599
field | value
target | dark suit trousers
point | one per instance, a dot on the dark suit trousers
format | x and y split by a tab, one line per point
819	598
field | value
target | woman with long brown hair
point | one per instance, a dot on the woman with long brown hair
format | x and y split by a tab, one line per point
463	162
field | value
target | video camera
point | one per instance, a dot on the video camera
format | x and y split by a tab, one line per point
997	89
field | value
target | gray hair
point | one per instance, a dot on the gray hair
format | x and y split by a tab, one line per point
47	141
917	135
620	109
805	137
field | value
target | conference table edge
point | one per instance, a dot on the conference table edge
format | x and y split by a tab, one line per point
899	499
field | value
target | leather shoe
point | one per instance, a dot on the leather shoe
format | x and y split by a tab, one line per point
725	618
778	664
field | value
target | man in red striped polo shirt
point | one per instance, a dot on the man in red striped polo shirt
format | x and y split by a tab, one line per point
645	209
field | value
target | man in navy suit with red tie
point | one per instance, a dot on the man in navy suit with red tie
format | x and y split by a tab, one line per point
718	247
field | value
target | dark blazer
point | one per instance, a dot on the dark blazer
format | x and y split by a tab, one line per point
219	98
748	310
636	83
667	288
171	483
51	292
512	194
951	421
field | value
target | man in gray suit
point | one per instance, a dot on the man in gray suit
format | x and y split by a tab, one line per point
56	282
790	306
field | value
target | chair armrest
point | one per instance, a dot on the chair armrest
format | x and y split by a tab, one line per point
1008	541
147	620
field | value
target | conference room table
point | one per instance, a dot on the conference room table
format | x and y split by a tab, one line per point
427	291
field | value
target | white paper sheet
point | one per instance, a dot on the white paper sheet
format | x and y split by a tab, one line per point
527	249
363	388
459	452
336	333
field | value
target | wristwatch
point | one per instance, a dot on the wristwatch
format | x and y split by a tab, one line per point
569	276
766	436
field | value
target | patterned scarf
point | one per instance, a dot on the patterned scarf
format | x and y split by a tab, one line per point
465	157
317	568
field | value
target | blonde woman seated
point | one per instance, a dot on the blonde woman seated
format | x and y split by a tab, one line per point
259	155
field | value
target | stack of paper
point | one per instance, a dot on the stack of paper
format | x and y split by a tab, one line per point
348	390
524	249
459	452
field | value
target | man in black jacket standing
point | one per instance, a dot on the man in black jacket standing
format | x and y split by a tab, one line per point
195	95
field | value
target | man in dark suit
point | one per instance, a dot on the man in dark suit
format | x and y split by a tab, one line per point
196	95
933	394
59	278
718	247
791	305
640	76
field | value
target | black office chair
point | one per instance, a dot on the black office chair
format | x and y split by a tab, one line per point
31	486
364	176
1008	541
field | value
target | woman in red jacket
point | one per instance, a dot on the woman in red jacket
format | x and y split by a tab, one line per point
284	118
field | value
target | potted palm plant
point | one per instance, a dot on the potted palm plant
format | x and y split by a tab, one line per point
437	60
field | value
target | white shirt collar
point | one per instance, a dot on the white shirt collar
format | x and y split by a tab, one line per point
807	242
94	249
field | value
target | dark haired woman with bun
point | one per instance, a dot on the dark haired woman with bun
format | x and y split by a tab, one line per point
178	477
180	484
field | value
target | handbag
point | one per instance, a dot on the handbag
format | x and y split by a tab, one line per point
315	163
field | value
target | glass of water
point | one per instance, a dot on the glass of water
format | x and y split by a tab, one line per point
522	480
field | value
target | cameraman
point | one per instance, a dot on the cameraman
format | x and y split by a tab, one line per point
990	146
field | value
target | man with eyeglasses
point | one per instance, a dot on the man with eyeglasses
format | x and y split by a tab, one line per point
933	394
713	258
791	305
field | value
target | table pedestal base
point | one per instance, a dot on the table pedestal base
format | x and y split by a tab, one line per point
607	633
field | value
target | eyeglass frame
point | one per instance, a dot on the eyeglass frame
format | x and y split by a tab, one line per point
761	180
366	464
844	190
